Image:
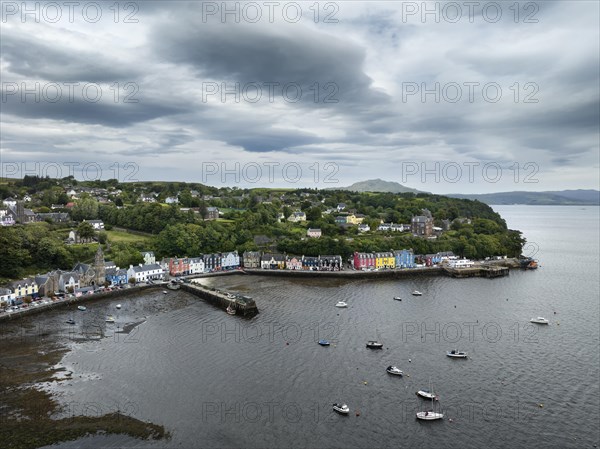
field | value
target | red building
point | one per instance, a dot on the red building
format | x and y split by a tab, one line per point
179	267
364	261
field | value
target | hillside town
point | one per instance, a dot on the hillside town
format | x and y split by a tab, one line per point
83	237
102	275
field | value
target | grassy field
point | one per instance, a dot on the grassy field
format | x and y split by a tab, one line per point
127	237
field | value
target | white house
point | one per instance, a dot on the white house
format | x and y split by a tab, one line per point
364	228
6	219
96	224
314	233
297	217
143	273
68	282
149	257
460	263
147	198
171	200
230	261
10	202
341	207
6	295
196	265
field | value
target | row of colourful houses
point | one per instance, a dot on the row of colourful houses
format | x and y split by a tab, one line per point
206	263
90	276
277	261
403	258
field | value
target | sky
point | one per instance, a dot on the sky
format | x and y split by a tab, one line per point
445	97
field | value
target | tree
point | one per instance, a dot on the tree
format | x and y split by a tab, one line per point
85	230
313	214
85	209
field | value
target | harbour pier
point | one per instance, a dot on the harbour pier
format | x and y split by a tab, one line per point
243	305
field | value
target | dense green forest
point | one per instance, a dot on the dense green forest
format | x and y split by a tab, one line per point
476	230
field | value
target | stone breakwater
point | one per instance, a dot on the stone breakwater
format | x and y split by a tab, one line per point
243	305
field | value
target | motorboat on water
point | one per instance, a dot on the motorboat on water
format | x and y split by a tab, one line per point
417	293
457	354
397	298
230	309
81	308
394	370
427	394
341	304
324	342
110	319
539	320
70	321
118	306
342	409
372	344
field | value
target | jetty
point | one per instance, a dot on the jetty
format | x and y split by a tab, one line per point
243	305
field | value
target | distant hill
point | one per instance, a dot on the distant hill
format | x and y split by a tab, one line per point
558	198
377	185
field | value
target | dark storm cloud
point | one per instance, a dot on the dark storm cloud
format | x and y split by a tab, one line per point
118	115
367	55
30	57
250	54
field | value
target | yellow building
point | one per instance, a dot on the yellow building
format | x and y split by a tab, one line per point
354	219
25	287
385	260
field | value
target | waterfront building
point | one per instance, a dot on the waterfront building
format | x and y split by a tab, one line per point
251	259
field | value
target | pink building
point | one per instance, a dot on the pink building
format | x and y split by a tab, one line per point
364	261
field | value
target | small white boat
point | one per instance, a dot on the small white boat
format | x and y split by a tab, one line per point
417	293
397	298
341	304
324	342
82	308
165	292
427	394
539	320
110	319
343	409
70	321
457	354
118	306
394	370
429	416
372	344
230	309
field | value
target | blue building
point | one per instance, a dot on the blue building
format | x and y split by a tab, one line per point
404	258
116	277
310	263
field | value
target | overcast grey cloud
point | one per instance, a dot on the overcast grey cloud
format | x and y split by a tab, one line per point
373	87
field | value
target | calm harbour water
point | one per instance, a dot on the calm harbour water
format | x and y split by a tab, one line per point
219	381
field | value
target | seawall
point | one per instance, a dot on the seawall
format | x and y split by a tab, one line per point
83	299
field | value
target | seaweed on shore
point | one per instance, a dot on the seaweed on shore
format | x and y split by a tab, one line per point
26	412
